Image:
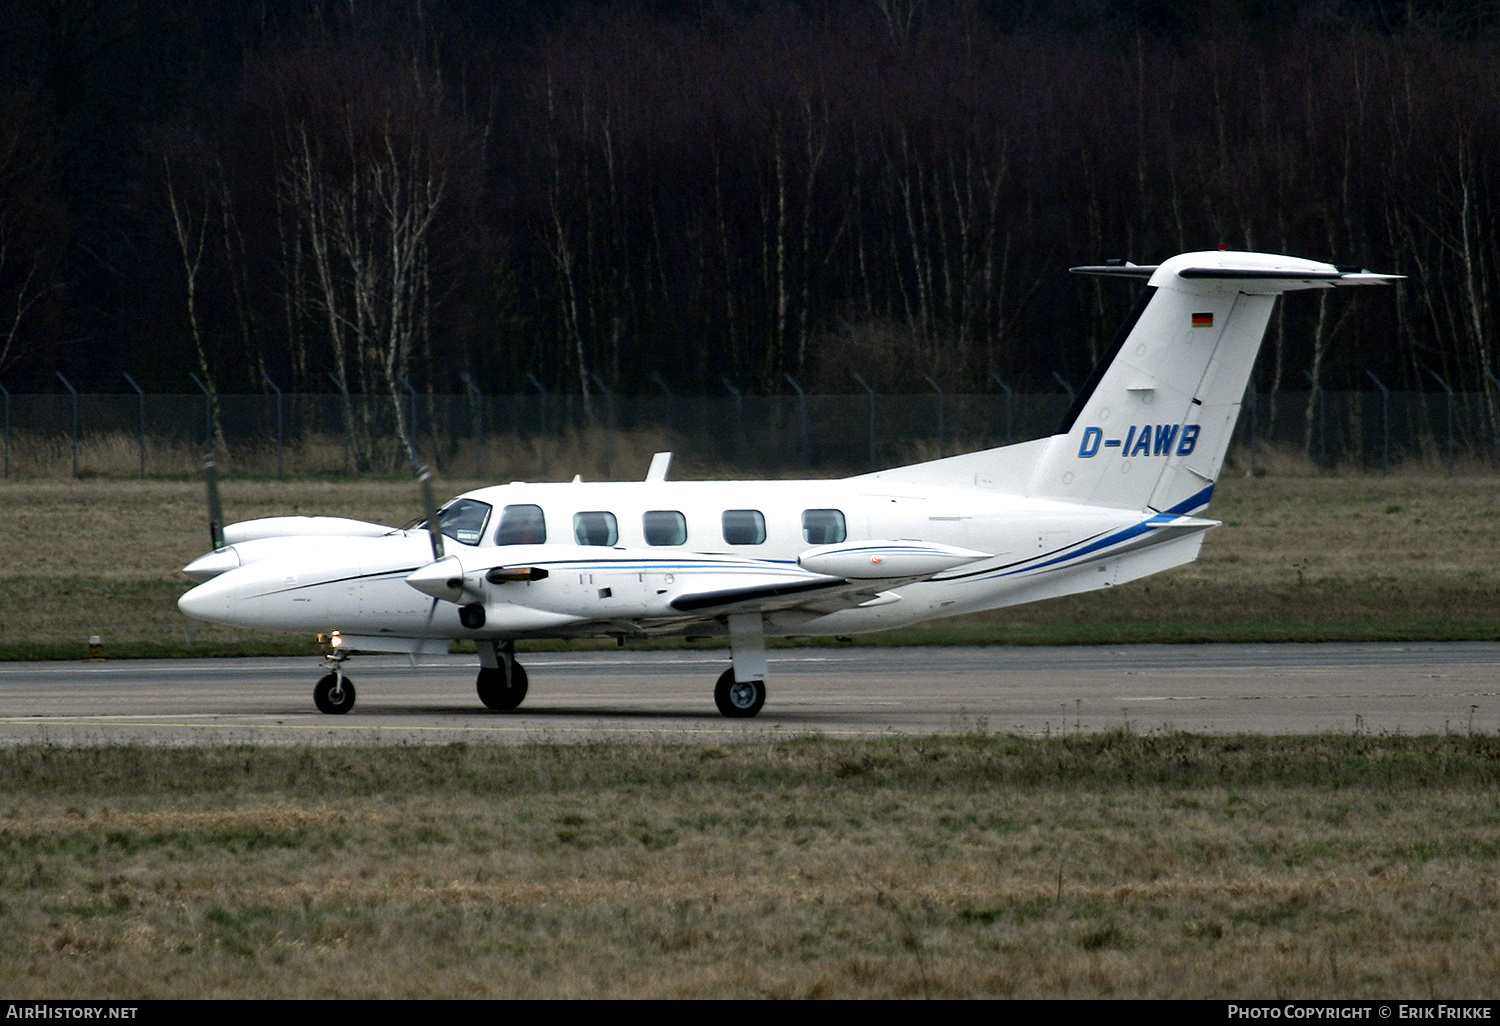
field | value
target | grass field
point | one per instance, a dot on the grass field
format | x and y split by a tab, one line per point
1307	558
1095	866
965	866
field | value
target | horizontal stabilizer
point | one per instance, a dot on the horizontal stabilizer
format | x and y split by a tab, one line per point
1298	273
1119	269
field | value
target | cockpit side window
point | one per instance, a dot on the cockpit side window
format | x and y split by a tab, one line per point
823	526
463	520
521	525
595	527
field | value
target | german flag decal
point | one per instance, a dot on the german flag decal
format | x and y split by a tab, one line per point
1203	320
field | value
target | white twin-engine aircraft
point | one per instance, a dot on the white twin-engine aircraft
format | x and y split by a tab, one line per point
1113	497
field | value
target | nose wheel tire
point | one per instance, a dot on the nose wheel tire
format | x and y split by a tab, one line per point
495	693
739	699
334	694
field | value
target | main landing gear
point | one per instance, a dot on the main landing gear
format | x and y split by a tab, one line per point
741	689
739	699
502	681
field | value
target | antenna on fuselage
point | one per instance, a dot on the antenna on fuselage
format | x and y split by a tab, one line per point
660	462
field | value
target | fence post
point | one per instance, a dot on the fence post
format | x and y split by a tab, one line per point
412	447
1440	381
801	418
737	450
546	397
348	423
542	416
610	423
74	392
1322	408
666	391
142	393
208	414
476	409
6	392
1385	422
1495	448
609	400
1010	424
941	418
280	431
1254	402
1066	387
871	392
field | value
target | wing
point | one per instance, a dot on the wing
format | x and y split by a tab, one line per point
842	576
573	589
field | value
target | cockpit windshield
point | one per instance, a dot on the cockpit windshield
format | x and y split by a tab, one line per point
464	520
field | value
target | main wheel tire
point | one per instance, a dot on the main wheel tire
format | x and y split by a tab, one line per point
739	699
494	692
334	694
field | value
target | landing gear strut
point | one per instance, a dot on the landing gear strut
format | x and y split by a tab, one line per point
741	690
502	681
334	693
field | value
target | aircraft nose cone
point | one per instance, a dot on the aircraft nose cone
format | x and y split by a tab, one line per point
206	602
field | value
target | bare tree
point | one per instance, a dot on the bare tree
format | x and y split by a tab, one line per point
31	234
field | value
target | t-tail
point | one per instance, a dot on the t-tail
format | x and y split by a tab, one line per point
1151	428
1152	431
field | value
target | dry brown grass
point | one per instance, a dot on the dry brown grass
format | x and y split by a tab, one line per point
595	453
966	867
1314	557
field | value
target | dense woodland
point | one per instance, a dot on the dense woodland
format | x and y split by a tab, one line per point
355	193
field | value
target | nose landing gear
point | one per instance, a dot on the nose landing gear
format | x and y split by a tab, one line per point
334	693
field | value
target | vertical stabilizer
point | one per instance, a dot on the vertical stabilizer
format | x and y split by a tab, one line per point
1153	431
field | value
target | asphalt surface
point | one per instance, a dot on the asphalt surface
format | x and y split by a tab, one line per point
847	692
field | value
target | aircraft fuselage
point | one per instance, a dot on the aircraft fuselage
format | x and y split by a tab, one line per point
627	585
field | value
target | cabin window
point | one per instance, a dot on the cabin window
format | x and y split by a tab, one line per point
664	527
521	525
823	526
463	520
744	526
595	528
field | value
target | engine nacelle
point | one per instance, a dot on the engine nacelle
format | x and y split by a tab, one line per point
885	560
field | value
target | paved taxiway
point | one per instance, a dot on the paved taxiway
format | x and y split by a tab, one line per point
1406	688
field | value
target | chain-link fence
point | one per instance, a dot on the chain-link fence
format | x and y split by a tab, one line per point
549	436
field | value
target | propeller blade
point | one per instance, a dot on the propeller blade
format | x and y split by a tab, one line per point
434	530
215	507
